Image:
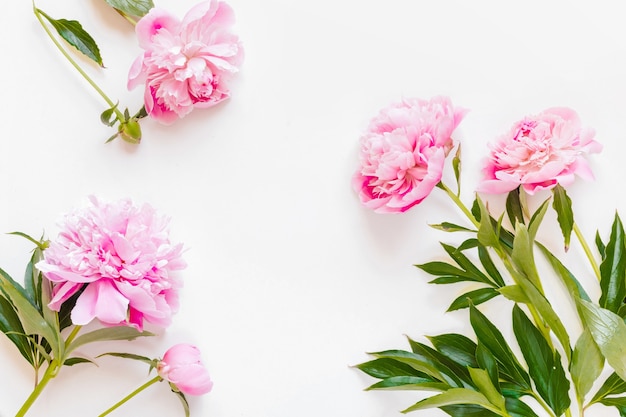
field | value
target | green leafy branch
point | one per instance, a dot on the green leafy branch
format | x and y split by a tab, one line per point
72	32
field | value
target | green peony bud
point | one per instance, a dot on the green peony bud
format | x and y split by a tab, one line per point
130	131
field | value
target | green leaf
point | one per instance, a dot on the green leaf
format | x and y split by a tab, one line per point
514	207
544	364
491	338
545	310
488	362
75	35
30	317
619	403
517	408
11	326
106	117
454	396
573	286
587	364
612	386
562	204
32	280
421	364
450	227
467	410
406	383
181	397
456	167
467	265
468	244
536	219
613	269
600	245
76	361
475	297
107	333
386	368
445	269
486	235
523	257
448	280
132	356
486	387
452	370
457	347
490	268
609	332
514	293
137	8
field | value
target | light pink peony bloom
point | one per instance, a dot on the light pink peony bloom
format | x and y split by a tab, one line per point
181	366
539	152
403	153
121	258
186	63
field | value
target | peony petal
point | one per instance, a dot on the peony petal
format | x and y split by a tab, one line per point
102	301
153	22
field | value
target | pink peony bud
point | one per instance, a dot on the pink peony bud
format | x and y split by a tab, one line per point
181	366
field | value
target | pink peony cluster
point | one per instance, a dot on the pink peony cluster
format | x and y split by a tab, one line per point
119	259
539	152
182	367
403	153
186	63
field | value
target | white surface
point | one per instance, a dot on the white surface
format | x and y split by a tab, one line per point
290	280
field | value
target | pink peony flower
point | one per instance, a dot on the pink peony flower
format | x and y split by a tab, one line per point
403	153
121	258
182	367
539	152
186	63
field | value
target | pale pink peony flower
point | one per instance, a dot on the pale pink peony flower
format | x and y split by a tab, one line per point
182	367
539	152
121	258
403	153
186	63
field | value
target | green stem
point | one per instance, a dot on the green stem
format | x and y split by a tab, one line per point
72	335
50	373
459	203
39	13
131	395
587	250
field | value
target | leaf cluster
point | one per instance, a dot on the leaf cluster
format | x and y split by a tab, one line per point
482	376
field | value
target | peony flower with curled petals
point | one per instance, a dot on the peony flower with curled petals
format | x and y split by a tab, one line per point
540	152
403	153
188	63
118	258
181	366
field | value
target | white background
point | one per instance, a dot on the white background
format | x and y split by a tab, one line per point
290	281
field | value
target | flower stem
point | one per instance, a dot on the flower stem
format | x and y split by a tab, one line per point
587	250
50	373
39	13
131	395
72	335
459	203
